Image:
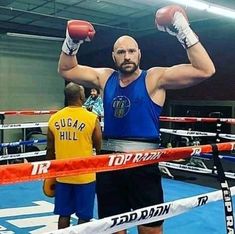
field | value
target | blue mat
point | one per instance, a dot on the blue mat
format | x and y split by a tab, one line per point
25	209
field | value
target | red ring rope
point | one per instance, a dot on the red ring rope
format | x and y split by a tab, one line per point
55	168
162	118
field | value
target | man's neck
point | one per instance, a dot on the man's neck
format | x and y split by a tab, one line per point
72	105
127	79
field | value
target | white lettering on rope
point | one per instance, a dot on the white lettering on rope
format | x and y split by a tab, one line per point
40	167
145	215
122	159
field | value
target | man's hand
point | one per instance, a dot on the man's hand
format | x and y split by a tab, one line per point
173	19
77	32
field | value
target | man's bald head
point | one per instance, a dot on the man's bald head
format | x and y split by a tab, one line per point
124	41
126	55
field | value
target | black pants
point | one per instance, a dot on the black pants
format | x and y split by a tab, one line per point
123	190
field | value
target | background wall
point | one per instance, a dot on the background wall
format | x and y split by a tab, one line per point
29	79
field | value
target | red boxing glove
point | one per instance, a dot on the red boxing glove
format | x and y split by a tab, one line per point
173	19
77	32
165	15
80	30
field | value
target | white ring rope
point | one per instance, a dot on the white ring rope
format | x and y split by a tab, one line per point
184	167
22	155
227	136
187	133
196	133
23	125
144	215
163	130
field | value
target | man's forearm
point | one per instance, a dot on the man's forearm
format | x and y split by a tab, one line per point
66	63
200	59
50	155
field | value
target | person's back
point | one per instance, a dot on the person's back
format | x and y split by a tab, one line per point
72	133
72	128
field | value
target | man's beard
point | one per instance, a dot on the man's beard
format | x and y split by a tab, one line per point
125	71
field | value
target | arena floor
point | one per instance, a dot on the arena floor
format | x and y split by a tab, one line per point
25	209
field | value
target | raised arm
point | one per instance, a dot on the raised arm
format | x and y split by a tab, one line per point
77	32
200	67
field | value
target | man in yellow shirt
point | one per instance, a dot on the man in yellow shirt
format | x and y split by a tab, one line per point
73	132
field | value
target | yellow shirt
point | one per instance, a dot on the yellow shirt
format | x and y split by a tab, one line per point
72	128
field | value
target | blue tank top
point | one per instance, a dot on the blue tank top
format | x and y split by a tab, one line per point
129	112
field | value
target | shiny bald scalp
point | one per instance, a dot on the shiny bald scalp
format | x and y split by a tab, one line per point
125	40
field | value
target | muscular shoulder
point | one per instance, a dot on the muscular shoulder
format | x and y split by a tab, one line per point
157	72
154	75
153	85
103	75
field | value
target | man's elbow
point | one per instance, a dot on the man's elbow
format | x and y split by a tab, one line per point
209	72
63	74
61	71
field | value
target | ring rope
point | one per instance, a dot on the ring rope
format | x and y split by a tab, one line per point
226	157
23	125
227	198
184	167
196	119
144	215
227	136
166	164
163	130
187	133
28	112
18	143
162	118
22	155
106	162
196	133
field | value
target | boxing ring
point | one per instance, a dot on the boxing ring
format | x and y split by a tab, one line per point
167	158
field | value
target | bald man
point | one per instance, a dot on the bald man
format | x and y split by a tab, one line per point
133	100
